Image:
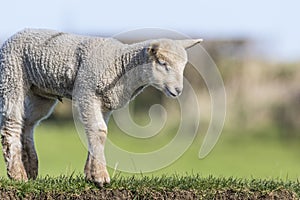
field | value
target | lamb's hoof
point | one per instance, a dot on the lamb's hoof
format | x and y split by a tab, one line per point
100	184
17	175
100	179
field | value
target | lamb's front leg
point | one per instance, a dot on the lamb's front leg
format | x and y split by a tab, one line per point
96	131
95	167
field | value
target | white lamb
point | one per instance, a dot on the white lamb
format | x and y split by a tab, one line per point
40	67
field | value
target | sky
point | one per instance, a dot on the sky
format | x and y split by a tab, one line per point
273	24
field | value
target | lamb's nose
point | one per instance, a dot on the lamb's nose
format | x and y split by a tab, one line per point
178	90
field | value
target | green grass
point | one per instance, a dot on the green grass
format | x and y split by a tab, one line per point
243	163
262	155
143	186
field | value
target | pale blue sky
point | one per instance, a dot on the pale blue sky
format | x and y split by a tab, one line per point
275	24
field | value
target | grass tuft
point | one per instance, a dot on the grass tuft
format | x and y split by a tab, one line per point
143	187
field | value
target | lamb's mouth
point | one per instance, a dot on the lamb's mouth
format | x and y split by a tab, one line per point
169	93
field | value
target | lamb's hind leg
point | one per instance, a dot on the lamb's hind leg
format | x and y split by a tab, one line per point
11	128
36	109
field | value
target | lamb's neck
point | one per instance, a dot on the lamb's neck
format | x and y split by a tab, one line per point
131	56
135	67
132	74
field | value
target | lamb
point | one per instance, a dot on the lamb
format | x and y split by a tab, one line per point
40	67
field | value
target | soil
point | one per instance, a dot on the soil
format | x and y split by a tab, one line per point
106	193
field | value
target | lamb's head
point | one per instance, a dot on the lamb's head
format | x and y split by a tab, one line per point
169	58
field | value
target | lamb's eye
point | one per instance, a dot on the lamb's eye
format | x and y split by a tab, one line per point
164	64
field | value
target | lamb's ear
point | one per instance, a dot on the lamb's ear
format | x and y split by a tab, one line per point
188	43
153	48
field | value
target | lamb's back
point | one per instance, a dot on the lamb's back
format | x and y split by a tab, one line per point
50	59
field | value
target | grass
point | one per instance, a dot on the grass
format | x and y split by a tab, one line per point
141	187
244	164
